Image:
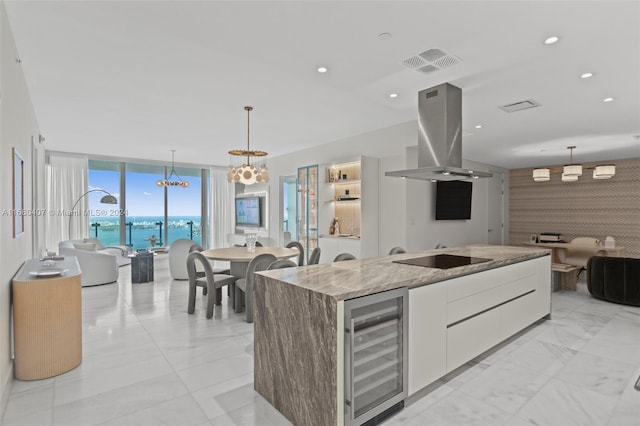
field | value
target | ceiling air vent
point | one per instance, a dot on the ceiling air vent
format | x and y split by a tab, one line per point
430	60
519	106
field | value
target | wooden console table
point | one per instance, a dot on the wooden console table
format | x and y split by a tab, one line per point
47	319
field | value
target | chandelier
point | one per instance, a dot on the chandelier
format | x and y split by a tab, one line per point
173	179
571	172
248	173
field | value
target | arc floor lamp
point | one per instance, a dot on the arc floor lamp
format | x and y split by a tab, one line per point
106	199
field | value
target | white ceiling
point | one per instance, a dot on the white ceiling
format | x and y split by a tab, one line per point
138	78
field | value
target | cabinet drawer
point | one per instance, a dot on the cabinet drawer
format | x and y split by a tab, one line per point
477	283
469	339
468	306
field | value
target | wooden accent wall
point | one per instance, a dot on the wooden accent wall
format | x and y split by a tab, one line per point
586	208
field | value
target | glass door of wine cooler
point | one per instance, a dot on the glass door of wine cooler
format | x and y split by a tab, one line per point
376	329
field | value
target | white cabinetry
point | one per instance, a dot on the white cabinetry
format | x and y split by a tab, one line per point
453	321
486	308
330	247
427	335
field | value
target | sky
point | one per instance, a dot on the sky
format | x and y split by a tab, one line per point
144	197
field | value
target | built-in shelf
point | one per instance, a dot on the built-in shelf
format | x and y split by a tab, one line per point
343	201
345	182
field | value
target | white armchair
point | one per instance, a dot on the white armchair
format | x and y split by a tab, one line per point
98	264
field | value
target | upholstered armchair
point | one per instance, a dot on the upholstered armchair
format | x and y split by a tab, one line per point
578	255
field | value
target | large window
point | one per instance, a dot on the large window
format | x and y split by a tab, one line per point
104	219
152	216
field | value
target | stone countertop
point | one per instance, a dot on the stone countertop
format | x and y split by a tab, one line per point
355	278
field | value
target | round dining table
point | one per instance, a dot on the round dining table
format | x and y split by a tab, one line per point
238	257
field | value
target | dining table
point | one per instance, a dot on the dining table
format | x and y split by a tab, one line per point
238	256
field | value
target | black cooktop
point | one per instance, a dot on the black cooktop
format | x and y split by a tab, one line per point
443	261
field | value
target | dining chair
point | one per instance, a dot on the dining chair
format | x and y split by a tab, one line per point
282	263
244	286
344	256
397	250
212	282
315	256
178	252
297	245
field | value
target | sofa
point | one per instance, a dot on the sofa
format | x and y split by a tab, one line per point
614	279
98	264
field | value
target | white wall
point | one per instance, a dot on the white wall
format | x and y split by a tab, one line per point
17	128
406	212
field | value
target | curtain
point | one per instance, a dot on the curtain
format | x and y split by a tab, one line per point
66	180
222	208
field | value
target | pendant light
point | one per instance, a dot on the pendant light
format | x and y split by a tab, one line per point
571	169
606	171
173	179
541	175
248	173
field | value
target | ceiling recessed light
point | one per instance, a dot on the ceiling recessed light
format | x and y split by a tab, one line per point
479	126
551	40
607	99
384	36
322	69
393	95
586	75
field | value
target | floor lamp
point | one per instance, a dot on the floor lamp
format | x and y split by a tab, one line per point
107	199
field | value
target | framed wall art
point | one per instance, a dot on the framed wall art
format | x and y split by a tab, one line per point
18	193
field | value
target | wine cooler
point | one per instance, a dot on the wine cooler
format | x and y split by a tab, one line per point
375	355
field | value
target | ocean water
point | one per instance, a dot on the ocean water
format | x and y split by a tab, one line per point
144	230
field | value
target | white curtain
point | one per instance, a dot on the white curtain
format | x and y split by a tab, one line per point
221	209
66	180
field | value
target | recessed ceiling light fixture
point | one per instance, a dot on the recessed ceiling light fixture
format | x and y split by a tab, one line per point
551	40
393	95
322	70
479	126
586	75
384	36
607	100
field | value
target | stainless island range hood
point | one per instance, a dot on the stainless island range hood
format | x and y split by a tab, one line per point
439	137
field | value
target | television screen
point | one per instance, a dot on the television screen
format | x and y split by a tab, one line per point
453	200
248	211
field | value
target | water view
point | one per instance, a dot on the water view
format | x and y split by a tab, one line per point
144	231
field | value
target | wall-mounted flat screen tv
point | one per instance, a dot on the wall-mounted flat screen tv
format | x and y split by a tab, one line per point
453	200
248	212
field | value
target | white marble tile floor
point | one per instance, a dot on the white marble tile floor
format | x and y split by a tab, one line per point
147	362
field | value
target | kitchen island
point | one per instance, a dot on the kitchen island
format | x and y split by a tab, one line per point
453	315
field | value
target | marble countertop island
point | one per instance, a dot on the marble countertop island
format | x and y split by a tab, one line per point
355	278
299	320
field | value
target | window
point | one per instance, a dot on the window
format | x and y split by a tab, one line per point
152	216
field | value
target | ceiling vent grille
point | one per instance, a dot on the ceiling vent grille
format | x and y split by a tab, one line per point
430	61
519	106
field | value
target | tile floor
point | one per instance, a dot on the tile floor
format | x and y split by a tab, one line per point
147	362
